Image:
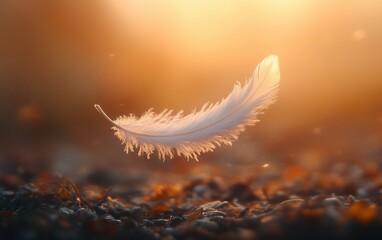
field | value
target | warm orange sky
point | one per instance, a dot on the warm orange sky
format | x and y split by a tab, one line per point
59	58
129	56
325	48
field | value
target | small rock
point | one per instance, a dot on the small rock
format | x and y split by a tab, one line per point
147	223
111	219
175	221
160	222
66	211
332	201
214	204
86	213
350	199
214	213
102	209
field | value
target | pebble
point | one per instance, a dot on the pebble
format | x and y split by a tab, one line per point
102	209
176	221
332	201
350	199
66	211
4	193
214	204
111	219
160	222
121	212
214	213
86	213
147	223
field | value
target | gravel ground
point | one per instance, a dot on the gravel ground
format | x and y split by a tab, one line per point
342	201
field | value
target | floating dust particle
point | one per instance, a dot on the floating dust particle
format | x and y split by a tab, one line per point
265	165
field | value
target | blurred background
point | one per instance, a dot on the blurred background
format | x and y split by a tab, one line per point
59	58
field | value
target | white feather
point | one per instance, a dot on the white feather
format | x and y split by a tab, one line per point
200	132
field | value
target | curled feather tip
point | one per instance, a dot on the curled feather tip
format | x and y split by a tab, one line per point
201	131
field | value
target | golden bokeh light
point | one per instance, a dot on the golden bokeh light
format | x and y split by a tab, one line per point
129	56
